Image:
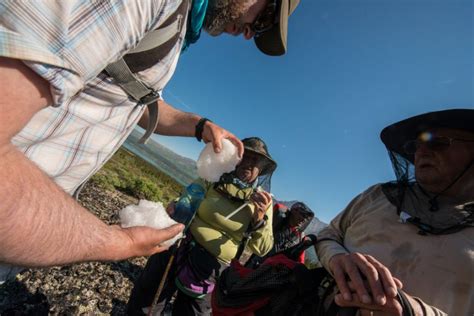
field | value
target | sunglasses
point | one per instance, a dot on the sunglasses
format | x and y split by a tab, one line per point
266	19
435	143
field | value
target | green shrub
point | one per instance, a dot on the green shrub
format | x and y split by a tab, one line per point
134	176
145	189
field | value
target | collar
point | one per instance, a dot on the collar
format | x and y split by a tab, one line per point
195	22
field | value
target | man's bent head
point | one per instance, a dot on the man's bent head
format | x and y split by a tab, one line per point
266	20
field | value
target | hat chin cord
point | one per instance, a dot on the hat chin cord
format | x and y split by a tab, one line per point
434	200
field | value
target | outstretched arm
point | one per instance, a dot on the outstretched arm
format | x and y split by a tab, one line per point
173	122
40	225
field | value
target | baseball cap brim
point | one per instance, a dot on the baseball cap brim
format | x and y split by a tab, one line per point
274	41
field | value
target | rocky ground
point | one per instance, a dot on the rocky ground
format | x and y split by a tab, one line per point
81	289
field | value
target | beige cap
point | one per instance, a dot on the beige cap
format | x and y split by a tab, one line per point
273	42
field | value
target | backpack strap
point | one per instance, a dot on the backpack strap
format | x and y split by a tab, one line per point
248	235
151	49
158	43
407	309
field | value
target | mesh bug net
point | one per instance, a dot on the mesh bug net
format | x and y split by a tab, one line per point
235	185
433	213
419	207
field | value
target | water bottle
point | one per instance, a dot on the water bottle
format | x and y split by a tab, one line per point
188	204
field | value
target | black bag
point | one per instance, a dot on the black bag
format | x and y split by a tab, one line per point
278	287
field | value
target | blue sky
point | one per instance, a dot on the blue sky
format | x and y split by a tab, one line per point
352	68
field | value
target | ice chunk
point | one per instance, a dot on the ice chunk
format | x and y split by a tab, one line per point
211	166
147	213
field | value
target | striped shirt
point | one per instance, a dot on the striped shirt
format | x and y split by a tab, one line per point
69	43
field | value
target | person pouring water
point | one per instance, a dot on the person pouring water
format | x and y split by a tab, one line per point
214	238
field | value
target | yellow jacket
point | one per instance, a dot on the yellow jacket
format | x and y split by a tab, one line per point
220	236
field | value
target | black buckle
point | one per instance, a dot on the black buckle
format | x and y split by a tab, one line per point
151	97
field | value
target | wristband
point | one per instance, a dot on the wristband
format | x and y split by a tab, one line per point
200	127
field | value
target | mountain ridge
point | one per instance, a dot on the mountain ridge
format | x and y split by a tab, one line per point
181	168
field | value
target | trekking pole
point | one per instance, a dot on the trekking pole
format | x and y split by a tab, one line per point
194	193
163	278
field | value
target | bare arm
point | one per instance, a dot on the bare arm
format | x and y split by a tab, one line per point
40	224
173	122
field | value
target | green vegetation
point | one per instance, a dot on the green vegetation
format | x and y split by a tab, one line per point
132	175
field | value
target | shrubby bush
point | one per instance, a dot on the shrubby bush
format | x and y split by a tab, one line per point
132	175
145	189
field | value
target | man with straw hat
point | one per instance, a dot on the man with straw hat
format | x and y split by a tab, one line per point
415	233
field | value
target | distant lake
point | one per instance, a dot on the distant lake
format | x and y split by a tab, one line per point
180	168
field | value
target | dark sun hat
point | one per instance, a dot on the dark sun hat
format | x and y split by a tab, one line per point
396	135
273	41
258	146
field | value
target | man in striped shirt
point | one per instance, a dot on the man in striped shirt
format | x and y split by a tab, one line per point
62	117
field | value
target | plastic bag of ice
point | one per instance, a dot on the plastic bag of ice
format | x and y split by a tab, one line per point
147	213
211	166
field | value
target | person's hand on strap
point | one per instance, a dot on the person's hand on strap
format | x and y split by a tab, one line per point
371	281
401	305
211	132
262	201
391	308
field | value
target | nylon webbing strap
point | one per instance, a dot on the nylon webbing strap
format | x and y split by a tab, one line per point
159	36
136	89
152	122
157	46
140	93
405	303
124	77
247	235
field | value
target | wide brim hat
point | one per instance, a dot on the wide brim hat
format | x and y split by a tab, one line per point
396	135
274	41
306	215
258	146
302	209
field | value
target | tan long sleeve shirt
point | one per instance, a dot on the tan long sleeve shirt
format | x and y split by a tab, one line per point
437	269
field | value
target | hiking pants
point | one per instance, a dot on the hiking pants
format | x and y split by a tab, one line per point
147	284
